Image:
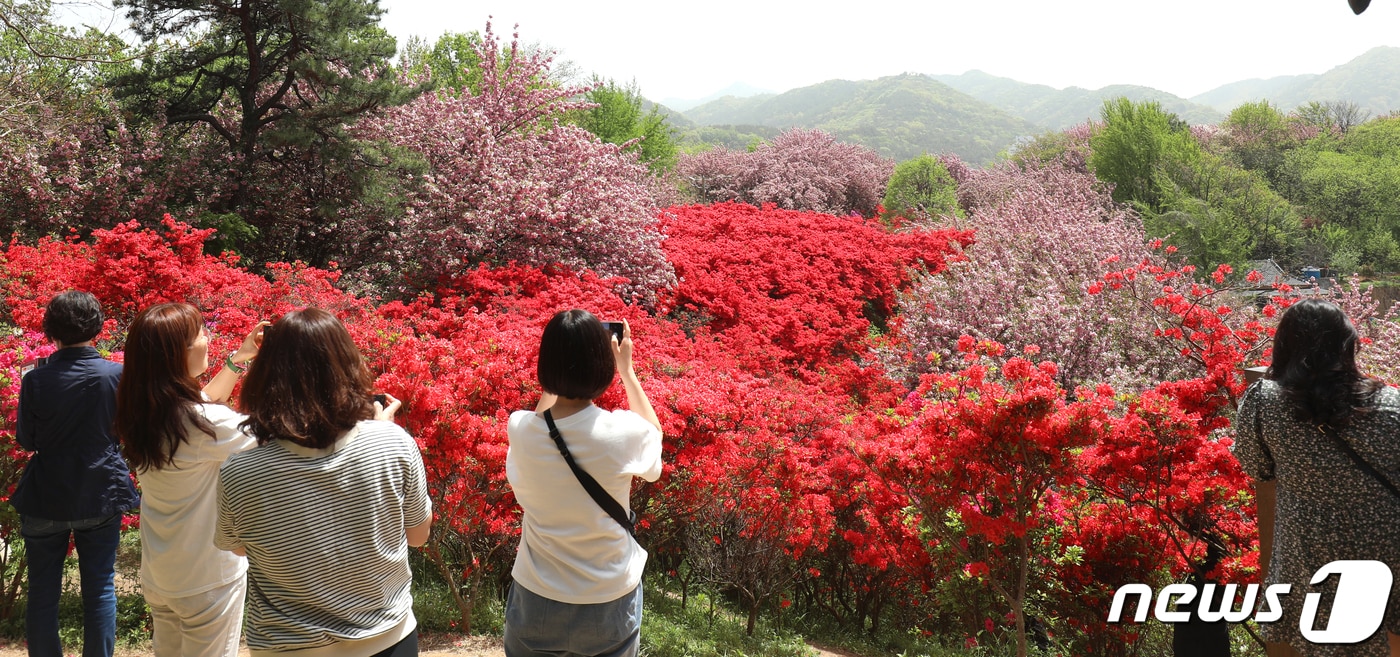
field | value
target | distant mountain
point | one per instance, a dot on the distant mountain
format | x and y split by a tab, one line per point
1371	81
1230	96
738	90
1057	109
977	115
899	116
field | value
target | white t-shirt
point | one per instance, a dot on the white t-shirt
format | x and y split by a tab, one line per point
571	550
179	508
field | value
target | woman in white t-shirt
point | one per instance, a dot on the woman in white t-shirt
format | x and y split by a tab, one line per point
578	572
175	437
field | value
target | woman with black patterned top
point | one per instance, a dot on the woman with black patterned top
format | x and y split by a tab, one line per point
1294	428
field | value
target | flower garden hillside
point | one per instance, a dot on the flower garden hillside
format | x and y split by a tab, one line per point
799	472
972	417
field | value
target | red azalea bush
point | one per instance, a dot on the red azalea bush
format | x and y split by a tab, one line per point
799	287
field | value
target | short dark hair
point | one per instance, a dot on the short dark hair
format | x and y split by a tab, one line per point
308	384
73	317
576	356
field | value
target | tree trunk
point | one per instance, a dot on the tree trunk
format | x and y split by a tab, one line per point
464	604
11	592
1019	604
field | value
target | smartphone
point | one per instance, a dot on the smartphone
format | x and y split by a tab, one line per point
25	368
616	328
383	400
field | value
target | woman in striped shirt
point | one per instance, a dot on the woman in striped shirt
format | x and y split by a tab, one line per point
328	503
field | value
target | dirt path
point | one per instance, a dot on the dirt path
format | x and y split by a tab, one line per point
431	645
441	645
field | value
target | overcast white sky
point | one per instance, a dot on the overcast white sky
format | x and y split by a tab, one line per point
689	50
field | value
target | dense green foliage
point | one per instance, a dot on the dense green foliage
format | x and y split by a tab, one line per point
451	62
618	117
921	187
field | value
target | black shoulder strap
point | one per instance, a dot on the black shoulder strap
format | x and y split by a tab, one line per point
1346	447
595	490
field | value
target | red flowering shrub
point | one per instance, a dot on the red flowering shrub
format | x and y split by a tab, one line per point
985	458
796	287
797	472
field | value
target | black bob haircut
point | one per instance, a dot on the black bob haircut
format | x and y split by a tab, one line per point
576	356
73	317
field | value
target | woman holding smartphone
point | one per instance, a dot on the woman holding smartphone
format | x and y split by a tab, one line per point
577	576
175	437
328	503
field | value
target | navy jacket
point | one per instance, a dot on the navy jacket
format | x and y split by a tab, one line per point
66	412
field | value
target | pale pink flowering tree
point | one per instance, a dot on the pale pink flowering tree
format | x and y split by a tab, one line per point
1044	233
505	181
1379	355
60	171
798	170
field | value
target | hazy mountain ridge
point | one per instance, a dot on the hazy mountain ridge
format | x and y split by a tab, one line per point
899	116
1372	81
977	115
1058	109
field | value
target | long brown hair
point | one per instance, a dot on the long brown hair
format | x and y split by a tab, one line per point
157	395
1315	364
309	383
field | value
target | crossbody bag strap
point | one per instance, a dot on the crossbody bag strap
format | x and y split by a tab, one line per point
626	518
1367	467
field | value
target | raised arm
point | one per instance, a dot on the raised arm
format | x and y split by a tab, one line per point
221	386
636	397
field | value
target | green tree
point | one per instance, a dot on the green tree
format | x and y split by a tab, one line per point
451	62
619	116
1258	137
264	75
48	71
921	187
1339	116
1137	149
276	84
1346	185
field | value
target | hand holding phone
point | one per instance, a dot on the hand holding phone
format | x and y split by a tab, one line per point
618	330
385	406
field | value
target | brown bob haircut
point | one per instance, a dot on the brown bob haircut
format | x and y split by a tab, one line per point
157	395
576	356
308	384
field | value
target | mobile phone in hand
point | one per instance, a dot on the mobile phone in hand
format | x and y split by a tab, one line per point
382	399
616	328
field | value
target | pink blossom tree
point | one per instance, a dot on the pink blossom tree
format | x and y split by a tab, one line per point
1043	232
797	170
505	181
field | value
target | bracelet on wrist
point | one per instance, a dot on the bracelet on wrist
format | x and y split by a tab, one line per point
237	369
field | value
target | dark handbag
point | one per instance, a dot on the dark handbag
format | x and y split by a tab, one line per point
595	490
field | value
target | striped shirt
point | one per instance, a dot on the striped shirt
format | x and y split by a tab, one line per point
324	533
